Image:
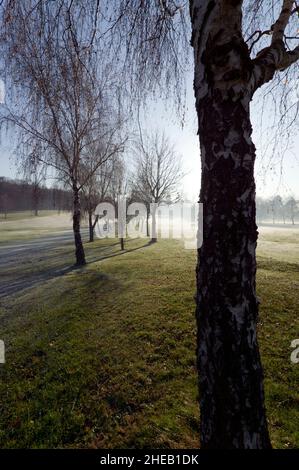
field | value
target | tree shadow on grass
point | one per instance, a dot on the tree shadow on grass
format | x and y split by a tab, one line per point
120	252
26	280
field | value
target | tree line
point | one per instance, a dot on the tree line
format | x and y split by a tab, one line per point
140	186
154	177
277	210
21	195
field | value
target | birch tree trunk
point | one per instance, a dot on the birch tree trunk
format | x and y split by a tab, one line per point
147	222
153	211
91	226
230	372
80	255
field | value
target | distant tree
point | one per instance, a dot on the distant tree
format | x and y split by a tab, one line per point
90	200
157	174
292	209
96	190
273	210
35	173
277	209
117	192
4	202
262	210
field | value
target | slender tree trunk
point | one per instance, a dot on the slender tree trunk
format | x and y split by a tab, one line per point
91	227
35	200
122	220
80	255
147	222
122	244
232	412
154	223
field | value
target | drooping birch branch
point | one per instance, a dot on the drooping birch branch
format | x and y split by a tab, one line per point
275	57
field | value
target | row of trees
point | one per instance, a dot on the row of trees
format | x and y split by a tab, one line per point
18	195
154	177
277	210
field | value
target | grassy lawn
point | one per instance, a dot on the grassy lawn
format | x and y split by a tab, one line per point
104	356
20	215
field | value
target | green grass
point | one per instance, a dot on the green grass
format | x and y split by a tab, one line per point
104	356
